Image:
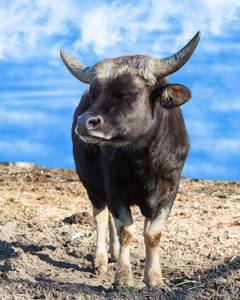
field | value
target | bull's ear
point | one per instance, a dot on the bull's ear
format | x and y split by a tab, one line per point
174	95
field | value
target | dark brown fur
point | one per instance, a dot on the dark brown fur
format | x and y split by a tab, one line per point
130	144
142	162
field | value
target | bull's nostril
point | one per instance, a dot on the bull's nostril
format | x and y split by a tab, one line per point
89	123
93	122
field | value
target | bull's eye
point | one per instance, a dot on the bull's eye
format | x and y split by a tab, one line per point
125	96
112	110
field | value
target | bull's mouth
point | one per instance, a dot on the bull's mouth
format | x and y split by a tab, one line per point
94	138
91	139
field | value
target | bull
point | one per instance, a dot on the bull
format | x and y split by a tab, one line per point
130	144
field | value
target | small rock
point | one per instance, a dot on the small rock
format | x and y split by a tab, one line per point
80	218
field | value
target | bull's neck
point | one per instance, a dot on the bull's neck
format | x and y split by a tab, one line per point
157	148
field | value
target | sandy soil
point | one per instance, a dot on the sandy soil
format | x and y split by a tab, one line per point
44	256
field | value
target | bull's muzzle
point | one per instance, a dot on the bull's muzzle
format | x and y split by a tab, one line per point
88	123
90	128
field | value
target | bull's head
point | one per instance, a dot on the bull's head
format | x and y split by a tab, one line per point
125	92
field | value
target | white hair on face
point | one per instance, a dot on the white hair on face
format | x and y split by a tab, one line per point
129	64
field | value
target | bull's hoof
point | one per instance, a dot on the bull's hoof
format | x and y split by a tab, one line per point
114	257
123	277
99	264
153	280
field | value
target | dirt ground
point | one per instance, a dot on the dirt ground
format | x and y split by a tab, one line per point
44	256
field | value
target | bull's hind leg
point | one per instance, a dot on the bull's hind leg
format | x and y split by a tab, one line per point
100	259
125	230
152	234
113	237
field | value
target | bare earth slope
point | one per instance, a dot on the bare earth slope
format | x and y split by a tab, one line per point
43	256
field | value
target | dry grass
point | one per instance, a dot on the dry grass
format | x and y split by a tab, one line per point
200	246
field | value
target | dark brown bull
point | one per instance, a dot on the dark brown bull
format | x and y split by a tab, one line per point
130	145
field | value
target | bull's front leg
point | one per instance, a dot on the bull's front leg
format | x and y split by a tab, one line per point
100	258
152	235
125	230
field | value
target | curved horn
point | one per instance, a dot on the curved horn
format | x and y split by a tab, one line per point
166	66
80	71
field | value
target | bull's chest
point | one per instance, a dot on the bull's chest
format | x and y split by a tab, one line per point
131	177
